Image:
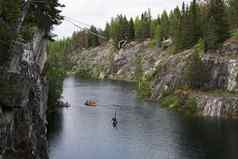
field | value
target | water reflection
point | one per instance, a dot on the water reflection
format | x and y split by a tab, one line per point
55	126
145	131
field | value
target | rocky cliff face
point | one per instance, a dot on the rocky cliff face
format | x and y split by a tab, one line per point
168	71
222	66
107	62
23	98
218	106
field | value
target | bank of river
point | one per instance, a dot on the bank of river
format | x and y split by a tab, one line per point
145	130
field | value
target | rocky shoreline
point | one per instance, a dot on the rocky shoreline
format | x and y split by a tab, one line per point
166	71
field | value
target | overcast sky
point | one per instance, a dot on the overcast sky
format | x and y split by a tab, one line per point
98	12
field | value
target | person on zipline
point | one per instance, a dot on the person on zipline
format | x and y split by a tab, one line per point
114	120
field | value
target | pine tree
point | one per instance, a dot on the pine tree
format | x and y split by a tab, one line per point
196	73
146	20
164	25
211	35
93	40
174	20
196	32
218	26
138	29
46	13
157	35
187	32
176	29
233	13
107	31
131	30
143	26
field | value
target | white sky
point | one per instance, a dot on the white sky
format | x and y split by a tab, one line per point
98	12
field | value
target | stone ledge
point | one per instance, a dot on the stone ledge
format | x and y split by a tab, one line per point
217	106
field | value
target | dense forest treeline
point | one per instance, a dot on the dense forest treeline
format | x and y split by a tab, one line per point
212	21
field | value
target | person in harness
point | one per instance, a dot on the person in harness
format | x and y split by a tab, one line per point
114	121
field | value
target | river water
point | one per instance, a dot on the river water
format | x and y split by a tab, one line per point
145	130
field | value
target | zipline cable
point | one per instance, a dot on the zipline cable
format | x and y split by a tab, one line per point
84	28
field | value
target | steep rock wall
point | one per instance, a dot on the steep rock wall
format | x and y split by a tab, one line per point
23	98
168	70
218	106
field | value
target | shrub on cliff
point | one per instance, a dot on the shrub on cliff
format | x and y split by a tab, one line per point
235	35
9	14
143	81
144	87
171	101
84	73
180	101
196	73
56	77
57	68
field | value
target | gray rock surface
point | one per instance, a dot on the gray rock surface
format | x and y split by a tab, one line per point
218	106
23	102
168	70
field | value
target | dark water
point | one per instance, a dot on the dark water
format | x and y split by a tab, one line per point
145	130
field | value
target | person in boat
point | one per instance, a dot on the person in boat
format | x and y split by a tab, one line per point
114	120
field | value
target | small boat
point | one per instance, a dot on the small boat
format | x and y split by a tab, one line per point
91	103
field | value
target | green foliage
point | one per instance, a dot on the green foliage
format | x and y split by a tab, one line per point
152	43
143	82
171	101
164	23
45	13
187	30
93	40
144	87
200	46
211	38
139	67
235	35
196	73
120	29
143	26
191	105
131	30
217	28
10	11
185	104
157	33
84	72
18	21
57	67
9	14
86	39
184	26
233	13
107	31
56	76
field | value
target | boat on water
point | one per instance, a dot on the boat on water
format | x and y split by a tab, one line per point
91	103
